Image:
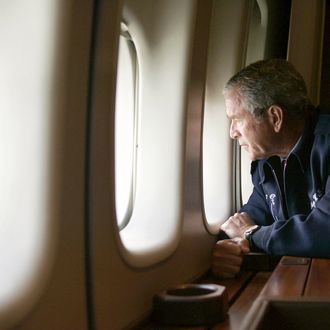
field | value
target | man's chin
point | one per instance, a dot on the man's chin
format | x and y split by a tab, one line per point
253	156
250	155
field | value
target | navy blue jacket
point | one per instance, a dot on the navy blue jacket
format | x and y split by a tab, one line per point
293	205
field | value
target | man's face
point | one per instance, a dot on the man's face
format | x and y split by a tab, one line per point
254	136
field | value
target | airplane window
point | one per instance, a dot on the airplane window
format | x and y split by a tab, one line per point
150	110
257	31
268	37
126	127
256	47
263	33
224	56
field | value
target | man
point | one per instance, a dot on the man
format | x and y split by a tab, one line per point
287	139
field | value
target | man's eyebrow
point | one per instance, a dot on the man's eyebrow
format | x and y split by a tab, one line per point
232	117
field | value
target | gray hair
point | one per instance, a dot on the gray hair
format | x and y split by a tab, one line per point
270	82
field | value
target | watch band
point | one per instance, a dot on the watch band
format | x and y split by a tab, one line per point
249	232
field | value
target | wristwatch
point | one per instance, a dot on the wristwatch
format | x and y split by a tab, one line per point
249	232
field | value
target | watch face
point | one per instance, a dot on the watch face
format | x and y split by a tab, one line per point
251	230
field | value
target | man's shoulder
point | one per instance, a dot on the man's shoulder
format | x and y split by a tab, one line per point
257	163
254	166
323	124
321	143
257	171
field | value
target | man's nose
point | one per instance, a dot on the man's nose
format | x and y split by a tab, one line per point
233	132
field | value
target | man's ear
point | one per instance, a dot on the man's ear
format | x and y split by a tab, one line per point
275	116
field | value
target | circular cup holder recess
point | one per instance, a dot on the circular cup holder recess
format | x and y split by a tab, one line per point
191	304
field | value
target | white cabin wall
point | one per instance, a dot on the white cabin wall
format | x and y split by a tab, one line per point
63	304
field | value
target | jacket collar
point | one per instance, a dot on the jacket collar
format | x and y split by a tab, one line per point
301	150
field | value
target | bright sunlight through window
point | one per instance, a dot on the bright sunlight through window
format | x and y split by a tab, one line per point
126	127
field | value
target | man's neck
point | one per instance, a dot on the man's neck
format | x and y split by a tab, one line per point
290	137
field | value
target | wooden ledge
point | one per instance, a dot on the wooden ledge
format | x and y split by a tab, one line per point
288	279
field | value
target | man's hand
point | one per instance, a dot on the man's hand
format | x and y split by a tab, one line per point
228	256
237	225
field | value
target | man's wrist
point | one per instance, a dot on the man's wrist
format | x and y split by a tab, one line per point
250	231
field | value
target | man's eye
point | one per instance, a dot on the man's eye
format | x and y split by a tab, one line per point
237	121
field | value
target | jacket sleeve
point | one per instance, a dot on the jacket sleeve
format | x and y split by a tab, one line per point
300	235
257	207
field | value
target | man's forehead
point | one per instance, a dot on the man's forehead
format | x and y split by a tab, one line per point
233	98
234	107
